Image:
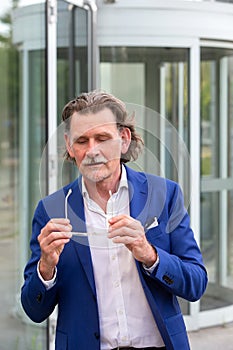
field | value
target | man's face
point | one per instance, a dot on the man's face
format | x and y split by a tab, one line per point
96	145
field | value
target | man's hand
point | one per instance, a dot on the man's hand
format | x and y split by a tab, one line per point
126	230
52	238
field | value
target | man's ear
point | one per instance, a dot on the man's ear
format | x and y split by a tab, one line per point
68	145
125	139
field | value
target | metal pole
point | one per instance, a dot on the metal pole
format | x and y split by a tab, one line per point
52	92
91	7
51	106
72	51
92	44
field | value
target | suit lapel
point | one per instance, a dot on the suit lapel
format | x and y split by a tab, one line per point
77	219
147	196
138	194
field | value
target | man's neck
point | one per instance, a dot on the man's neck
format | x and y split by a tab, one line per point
101	191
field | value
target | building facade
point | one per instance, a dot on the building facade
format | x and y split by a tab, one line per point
172	63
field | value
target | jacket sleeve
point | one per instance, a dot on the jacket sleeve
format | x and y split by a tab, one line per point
181	270
37	302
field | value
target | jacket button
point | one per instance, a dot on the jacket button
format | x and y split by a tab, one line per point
39	297
167	279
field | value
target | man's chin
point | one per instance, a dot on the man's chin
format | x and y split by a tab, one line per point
95	176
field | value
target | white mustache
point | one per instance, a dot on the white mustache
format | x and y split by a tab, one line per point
93	161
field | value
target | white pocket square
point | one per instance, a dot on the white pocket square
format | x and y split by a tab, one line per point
151	223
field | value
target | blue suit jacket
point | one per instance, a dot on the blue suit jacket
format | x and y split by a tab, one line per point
180	271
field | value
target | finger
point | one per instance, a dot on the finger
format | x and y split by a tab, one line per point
46	240
123	221
59	224
126	227
62	221
59	235
118	218
56	225
57	243
56	235
124	231
126	240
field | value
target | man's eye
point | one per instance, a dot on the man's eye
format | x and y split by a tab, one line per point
103	138
80	141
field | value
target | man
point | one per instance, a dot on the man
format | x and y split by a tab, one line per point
116	281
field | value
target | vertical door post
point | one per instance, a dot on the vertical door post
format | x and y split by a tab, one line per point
51	123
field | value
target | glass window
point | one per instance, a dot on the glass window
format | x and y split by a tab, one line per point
14	334
230	240
155	78
209	118
9	182
36	124
216	172
72	67
22	136
154	83
71	52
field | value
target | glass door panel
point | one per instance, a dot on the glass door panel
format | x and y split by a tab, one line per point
158	79
22	139
10	330
73	72
154	83
72	65
216	174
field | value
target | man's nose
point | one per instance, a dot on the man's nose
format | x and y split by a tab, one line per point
93	149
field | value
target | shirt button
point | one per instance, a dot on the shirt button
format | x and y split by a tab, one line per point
113	257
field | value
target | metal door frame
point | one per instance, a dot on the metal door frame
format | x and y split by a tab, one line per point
51	99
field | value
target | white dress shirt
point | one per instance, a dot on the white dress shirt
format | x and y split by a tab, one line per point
124	314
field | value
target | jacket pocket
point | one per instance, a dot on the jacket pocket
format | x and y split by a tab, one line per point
177	332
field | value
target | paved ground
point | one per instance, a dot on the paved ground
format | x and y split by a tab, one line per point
216	338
